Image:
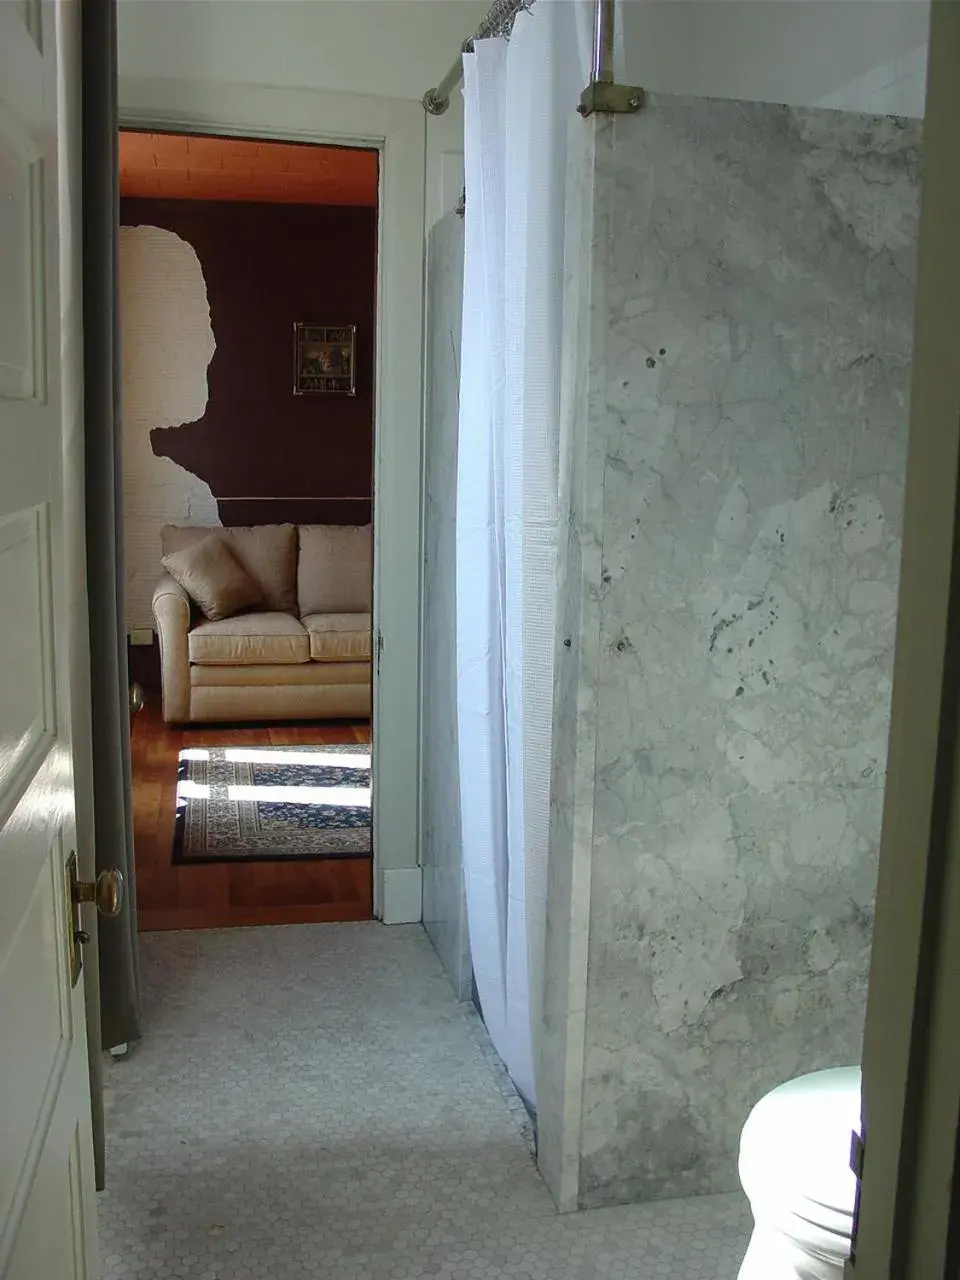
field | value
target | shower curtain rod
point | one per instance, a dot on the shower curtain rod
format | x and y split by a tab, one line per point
601	94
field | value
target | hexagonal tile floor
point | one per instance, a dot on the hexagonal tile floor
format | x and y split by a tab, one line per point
311	1101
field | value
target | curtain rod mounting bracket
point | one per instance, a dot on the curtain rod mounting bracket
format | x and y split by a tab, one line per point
434	104
610	99
498	22
603	94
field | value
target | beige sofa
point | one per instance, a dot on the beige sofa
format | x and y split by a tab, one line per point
304	656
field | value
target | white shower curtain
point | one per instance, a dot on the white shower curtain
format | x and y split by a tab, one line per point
520	100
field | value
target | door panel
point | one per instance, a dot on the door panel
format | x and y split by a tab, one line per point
51	1240
47	1223
32	1061
26	653
21	228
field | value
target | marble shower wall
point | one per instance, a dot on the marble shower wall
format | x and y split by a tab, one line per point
444	907
737	460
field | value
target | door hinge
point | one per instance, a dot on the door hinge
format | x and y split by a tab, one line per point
379	649
856	1155
856	1165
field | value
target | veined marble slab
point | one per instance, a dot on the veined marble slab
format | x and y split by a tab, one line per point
444	907
728	604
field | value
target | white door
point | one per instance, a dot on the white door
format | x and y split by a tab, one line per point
47	1224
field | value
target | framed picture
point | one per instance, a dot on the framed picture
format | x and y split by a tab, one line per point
324	359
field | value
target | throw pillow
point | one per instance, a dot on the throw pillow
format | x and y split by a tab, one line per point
212	576
268	552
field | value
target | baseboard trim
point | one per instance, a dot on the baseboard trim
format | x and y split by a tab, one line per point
402	896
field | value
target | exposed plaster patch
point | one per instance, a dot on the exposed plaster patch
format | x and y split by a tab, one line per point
167	344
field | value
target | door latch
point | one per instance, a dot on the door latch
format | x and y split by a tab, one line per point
107	892
856	1168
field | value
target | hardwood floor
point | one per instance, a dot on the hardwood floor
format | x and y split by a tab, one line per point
231	893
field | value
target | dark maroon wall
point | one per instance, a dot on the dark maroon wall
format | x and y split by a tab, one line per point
265	267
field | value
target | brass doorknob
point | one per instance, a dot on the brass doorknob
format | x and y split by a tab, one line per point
107	892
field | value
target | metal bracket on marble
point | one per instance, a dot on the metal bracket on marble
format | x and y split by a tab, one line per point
603	94
610	98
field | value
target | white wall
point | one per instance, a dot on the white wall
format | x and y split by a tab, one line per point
444	185
387	48
382	48
896	88
321	71
795	51
838	53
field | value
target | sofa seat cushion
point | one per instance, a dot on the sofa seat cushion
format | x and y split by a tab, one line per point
270	675
268	552
249	638
338	637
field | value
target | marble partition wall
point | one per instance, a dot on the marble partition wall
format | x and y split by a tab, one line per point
444	907
736	417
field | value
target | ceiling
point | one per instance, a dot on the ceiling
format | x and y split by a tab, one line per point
184	167
382	48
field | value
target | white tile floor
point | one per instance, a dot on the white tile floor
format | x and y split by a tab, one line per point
311	1101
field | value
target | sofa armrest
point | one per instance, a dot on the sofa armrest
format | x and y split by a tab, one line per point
171	608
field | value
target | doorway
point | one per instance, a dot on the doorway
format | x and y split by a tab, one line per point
248	304
395	131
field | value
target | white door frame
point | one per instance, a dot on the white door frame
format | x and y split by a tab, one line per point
911	1057
395	127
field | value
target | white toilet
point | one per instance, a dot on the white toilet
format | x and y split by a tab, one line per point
795	1170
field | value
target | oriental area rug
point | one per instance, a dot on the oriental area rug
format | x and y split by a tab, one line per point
272	803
